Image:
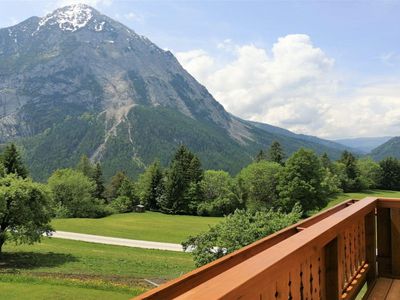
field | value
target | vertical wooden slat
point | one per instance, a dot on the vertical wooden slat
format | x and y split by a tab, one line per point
282	287
322	280
331	271
384	242
395	239
295	282
315	276
370	246
341	261
353	253
347	258
305	269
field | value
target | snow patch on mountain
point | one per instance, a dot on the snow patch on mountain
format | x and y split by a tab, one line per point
99	26
70	18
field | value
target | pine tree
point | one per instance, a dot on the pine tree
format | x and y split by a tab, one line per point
128	190
98	180
12	162
115	184
275	153
351	182
260	156
155	186
85	166
390	168
326	162
183	174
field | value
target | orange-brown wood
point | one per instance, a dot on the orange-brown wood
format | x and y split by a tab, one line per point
395	240
380	289
384	242
329	256
175	287
394	291
256	272
370	246
388	203
332	270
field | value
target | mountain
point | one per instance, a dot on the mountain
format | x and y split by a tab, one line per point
303	137
78	82
364	145
390	148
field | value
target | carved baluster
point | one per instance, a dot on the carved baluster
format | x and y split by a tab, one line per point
295	282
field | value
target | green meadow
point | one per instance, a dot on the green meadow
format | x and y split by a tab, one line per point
149	226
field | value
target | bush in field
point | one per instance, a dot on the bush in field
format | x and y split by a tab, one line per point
236	231
25	210
126	197
72	193
122	204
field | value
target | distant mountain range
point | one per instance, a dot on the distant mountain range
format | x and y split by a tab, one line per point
77	82
364	145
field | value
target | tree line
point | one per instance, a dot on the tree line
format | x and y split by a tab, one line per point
272	184
271	181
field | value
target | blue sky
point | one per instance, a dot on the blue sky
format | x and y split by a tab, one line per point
343	64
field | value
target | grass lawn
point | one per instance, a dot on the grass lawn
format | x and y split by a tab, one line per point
20	287
336	199
149	226
61	269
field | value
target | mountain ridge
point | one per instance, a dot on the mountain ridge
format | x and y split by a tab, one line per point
76	82
364	144
389	148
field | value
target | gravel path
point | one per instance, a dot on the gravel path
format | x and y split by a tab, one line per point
116	241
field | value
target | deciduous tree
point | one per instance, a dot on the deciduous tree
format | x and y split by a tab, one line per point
25	210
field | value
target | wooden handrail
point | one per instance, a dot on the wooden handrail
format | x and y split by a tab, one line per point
336	246
175	287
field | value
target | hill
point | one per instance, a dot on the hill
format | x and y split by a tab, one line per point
390	148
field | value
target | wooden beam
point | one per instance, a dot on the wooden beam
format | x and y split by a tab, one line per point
331	271
384	242
395	239
370	246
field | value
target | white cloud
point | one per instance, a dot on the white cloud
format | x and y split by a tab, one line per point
198	62
294	85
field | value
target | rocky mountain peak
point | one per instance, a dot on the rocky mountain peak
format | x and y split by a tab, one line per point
69	18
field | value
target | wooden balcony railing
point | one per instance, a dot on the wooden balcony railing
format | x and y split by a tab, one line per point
328	256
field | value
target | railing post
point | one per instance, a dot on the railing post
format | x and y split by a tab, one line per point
395	238
331	271
384	242
370	246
